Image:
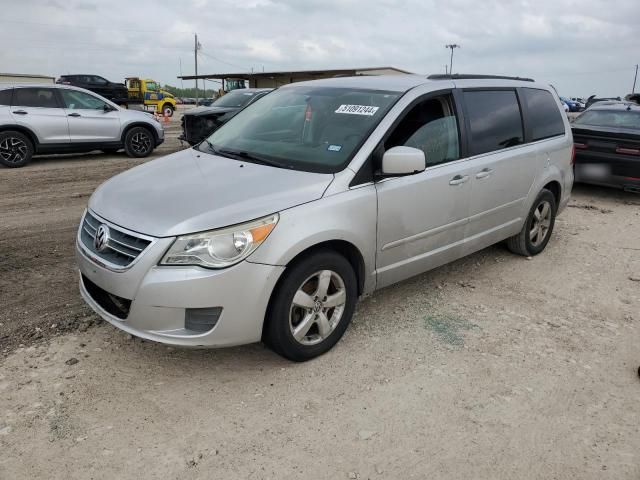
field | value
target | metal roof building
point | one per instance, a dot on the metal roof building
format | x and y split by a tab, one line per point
276	79
25	78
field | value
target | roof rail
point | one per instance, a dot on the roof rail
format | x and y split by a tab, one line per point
470	76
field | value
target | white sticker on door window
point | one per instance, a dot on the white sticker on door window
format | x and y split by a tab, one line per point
357	109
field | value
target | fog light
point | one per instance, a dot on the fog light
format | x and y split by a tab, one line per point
201	319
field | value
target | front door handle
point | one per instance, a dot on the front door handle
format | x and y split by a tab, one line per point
458	179
20	112
484	173
74	115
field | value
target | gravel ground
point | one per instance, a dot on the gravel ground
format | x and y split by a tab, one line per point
495	366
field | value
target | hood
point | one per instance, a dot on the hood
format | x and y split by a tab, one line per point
190	191
210	110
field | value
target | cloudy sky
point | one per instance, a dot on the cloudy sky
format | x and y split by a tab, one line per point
580	46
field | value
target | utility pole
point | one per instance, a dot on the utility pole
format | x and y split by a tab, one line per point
633	90
181	81
451	46
195	54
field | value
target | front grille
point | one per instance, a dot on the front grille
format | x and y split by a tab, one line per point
116	306
121	248
196	128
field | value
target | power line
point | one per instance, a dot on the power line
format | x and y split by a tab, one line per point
222	61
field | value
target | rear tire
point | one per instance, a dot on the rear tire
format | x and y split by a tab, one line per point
312	306
167	109
537	229
139	142
16	150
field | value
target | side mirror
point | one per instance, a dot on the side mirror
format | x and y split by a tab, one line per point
108	108
403	161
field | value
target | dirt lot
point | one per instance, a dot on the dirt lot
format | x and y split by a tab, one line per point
493	367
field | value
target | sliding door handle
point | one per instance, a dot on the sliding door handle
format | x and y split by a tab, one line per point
458	179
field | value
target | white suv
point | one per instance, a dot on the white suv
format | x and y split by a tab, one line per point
39	119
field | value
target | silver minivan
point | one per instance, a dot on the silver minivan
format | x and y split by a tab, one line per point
319	193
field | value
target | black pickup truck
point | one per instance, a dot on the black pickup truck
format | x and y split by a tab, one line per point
116	92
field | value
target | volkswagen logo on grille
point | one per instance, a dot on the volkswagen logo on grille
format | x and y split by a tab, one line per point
101	240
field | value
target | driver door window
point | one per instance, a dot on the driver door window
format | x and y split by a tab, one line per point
430	126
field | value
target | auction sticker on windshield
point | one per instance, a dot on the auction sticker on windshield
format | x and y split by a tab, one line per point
357	109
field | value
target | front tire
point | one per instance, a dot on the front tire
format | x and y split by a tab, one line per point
312	306
139	142
537	229
16	150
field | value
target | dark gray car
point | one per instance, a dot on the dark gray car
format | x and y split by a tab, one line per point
200	122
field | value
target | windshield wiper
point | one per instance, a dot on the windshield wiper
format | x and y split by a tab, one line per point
249	157
212	147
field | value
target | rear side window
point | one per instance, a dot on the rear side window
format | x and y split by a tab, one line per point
5	96
543	114
35	97
494	120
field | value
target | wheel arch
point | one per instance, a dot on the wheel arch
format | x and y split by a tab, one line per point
554	187
343	247
131	125
24	130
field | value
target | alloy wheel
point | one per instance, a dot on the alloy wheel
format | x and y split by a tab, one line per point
13	150
540	224
317	307
140	143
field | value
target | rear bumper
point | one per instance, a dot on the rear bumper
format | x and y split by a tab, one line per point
622	171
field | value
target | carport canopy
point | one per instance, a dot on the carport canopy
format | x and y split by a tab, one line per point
276	79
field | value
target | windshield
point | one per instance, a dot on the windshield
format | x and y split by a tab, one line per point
237	98
306	128
610	118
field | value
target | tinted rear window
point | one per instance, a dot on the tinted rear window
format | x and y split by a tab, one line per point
610	118
235	99
494	120
35	97
5	96
543	114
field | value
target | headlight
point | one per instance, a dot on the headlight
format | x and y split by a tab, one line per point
220	248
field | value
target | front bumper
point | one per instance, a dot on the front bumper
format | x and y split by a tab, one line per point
160	297
160	136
